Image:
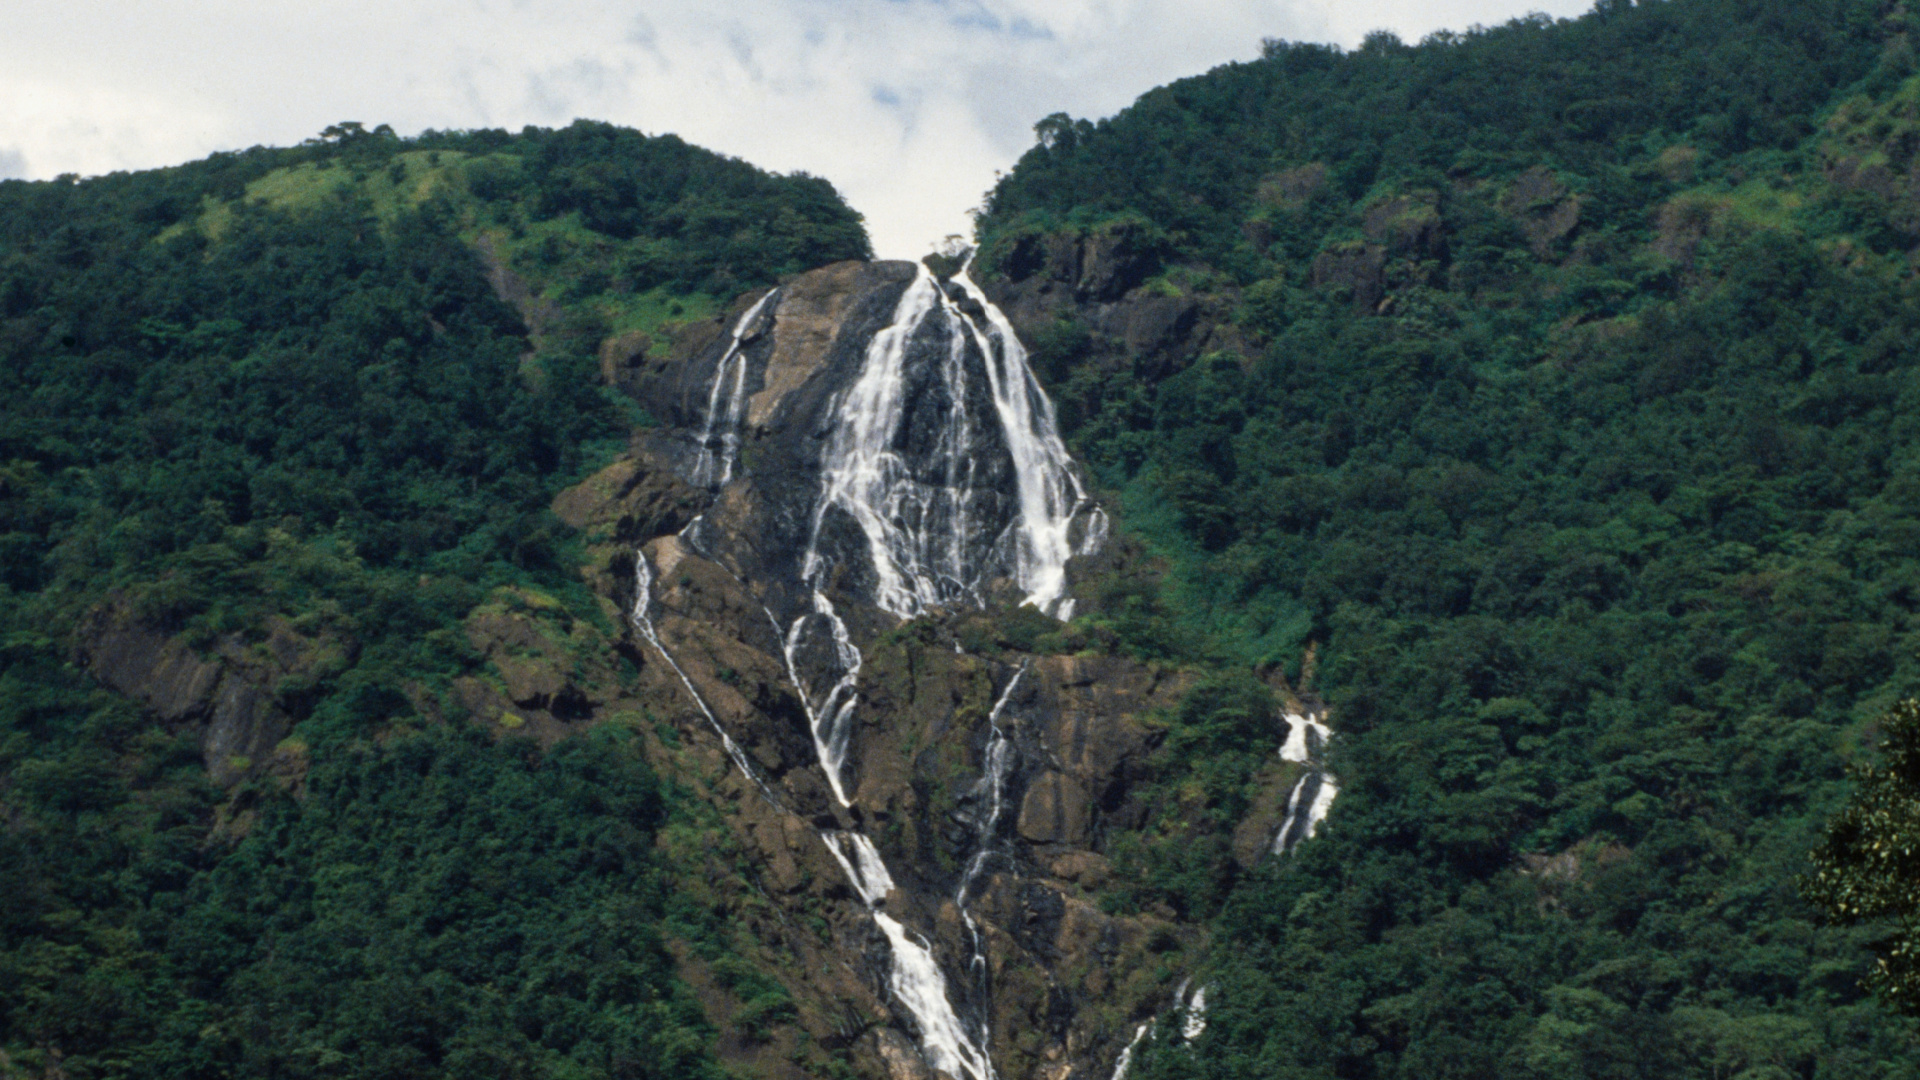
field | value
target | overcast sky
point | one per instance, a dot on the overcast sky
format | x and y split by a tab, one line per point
907	106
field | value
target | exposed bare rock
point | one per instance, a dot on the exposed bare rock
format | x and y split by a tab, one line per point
242	697
901	1059
812	308
1359	268
1055	811
1544	209
630	500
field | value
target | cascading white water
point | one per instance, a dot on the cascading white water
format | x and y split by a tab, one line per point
1195	1024
914	530
992	786
1307	807
1124	1062
915	979
727	405
832	720
1050	491
917	532
918	521
1306	735
1313	794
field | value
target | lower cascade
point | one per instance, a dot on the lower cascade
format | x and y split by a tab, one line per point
912	468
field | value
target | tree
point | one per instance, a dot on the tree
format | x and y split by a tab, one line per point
1869	867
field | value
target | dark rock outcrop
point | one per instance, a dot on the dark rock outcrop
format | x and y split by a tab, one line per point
1103	283
240	698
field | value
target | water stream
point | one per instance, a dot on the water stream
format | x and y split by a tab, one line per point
727	405
642	619
1000	755
1314	792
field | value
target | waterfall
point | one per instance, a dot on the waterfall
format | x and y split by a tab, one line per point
992	786
943	456
1313	794
1307	807
832	720
1125	1061
919	518
727	405
642	621
927	517
921	515
1306	736
915	978
1050	491
1195	1024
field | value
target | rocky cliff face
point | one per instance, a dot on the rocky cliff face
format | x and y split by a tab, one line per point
851	476
240	699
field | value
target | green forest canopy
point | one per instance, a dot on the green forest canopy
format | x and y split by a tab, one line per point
278	384
1577	427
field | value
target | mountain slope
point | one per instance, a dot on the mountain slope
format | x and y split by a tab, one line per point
1556	380
281	434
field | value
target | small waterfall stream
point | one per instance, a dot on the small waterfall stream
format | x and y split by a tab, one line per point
642	620
720	438
992	787
1313	794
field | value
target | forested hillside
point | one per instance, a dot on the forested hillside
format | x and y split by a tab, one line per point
1542	400
304	410
1557	381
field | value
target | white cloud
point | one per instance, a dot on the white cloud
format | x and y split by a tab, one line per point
908	106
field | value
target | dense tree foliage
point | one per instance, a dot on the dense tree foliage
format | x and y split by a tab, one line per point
440	905
1575	422
1869	866
291	387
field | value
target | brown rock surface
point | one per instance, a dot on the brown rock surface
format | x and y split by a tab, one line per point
812	308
